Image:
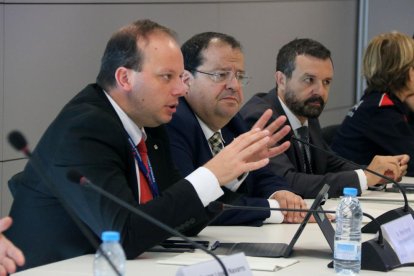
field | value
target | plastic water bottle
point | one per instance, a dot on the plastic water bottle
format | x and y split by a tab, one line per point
347	250
110	245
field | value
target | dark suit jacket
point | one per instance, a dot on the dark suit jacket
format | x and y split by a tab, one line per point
326	168
190	150
88	136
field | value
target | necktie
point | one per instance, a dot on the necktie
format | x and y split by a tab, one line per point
216	143
145	192
303	133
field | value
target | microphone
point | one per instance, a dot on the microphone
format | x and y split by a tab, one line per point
78	178
376	254
217	206
17	140
13	159
387	216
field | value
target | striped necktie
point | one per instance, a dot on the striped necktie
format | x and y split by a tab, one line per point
216	143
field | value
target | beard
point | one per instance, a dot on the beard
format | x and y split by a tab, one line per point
304	108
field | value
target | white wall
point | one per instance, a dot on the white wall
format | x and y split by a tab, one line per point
49	52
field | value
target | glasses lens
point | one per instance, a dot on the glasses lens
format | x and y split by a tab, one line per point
221	76
242	78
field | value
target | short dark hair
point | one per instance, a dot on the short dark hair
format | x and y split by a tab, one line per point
193	47
122	50
285	61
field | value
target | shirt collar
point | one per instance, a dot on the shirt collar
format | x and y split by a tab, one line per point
131	128
206	130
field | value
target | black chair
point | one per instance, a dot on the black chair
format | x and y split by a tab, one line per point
328	133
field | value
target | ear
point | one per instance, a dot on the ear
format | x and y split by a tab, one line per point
280	80
123	78
187	78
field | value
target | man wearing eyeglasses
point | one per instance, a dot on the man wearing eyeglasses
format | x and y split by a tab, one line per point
207	120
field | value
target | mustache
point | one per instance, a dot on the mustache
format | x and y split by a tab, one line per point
317	99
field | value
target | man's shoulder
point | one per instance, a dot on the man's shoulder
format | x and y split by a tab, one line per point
89	104
184	118
262	98
258	103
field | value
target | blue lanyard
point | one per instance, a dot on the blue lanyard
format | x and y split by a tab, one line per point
148	175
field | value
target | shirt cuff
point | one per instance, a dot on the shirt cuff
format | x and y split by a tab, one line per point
206	185
363	183
235	184
275	216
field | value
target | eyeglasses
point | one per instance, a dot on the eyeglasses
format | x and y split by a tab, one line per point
224	76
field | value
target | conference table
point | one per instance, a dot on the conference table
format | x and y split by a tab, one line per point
311	249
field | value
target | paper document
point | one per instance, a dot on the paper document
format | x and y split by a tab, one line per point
255	263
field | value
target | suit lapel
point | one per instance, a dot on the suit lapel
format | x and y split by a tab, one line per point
294	155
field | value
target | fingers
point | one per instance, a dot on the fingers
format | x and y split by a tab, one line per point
3	271
244	154
389	166
290	200
15	254
262	121
274	151
248	151
8	265
277	136
276	124
10	255
5	223
403	159
273	128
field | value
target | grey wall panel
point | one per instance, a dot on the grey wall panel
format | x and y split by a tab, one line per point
152	1
386	16
263	29
51	51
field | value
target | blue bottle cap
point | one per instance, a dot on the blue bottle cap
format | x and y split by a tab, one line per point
110	236
350	191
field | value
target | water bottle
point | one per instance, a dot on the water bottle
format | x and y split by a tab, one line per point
347	249
110	245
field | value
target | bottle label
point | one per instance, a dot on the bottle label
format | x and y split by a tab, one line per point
347	250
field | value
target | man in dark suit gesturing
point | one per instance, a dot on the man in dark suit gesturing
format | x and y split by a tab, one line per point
207	120
106	132
304	72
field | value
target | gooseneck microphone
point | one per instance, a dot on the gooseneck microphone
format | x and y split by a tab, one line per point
387	216
19	143
376	254
13	159
217	206
78	178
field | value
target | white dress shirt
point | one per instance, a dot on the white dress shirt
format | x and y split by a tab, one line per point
203	180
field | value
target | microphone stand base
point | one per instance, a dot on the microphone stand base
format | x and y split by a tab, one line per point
372	227
377	257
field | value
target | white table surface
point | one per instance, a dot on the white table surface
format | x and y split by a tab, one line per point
311	249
